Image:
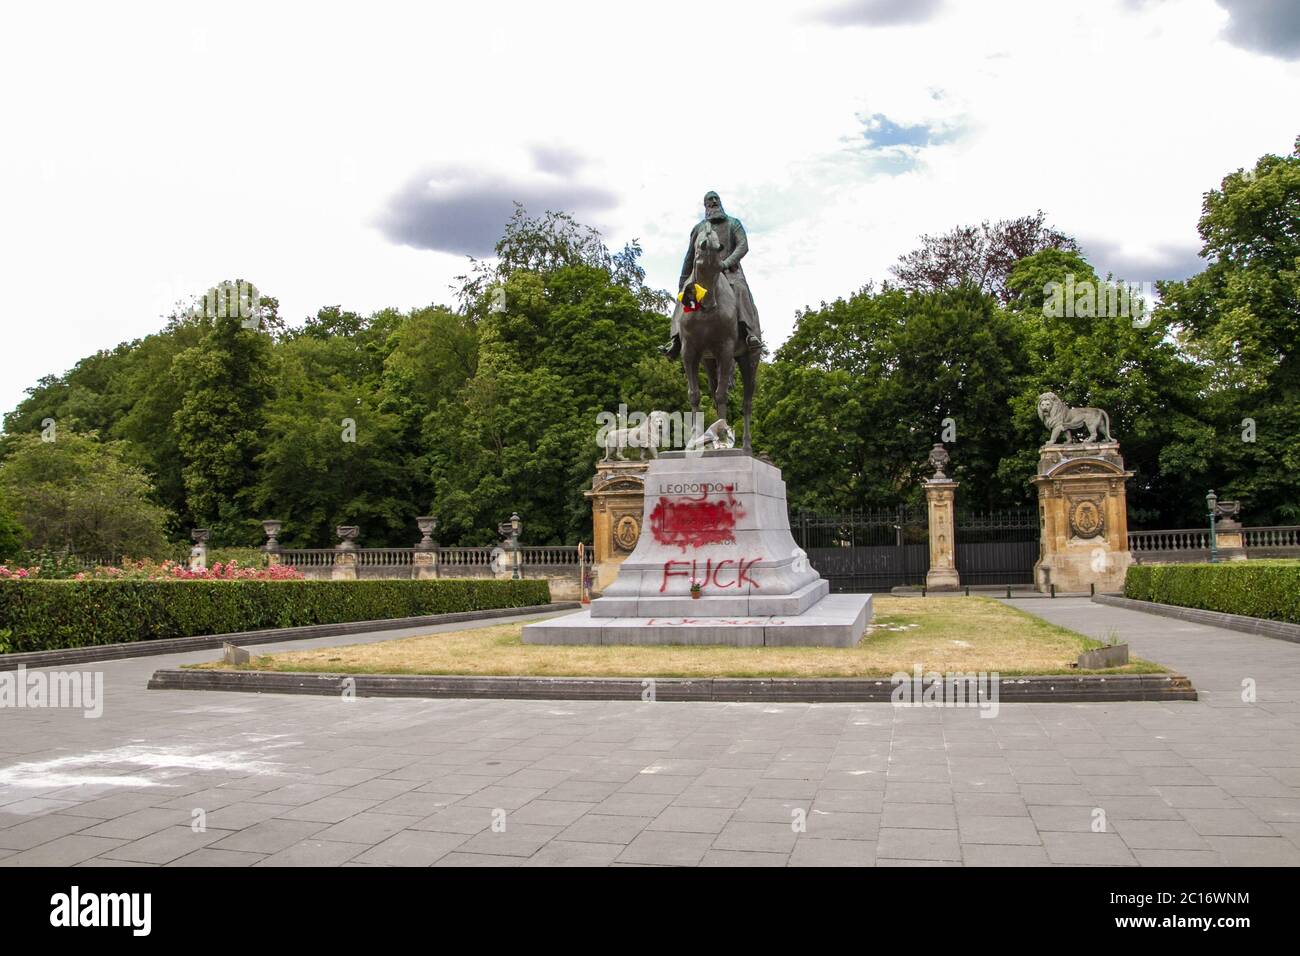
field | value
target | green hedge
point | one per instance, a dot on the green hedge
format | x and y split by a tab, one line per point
46	615
1270	591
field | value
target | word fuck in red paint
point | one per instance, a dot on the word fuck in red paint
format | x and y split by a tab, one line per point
725	574
696	522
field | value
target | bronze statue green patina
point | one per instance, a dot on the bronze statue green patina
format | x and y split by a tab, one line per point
712	334
734	244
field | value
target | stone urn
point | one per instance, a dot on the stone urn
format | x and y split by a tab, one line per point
271	528
427	525
939	461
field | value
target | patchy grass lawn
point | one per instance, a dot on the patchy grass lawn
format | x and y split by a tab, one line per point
939	634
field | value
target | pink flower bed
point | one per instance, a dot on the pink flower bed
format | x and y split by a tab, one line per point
166	571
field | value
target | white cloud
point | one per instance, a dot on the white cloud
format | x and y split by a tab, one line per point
151	152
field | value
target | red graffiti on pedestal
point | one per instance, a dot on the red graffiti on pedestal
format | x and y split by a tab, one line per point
696	522
728	573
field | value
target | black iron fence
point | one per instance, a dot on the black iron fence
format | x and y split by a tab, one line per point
866	550
997	547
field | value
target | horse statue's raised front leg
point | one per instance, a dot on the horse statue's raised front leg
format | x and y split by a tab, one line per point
722	383
691	363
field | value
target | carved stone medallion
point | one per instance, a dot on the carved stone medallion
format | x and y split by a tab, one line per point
1086	518
626	531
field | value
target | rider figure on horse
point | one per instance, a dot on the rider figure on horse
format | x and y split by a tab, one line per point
731	234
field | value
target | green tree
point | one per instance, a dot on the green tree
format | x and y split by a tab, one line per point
1240	320
225	384
556	318
982	256
11	532
1121	361
76	493
861	390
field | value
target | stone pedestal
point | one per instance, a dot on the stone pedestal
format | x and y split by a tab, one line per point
714	564
344	567
1228	540
1083	515
199	553
346	562
616	495
425	562
940	498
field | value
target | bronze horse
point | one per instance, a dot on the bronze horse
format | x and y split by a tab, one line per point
711	334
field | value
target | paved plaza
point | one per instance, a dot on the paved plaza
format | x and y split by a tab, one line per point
224	779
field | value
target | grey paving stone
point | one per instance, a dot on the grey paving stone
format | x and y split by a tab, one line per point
1087	849
810	851
117	804
1227	823
1159	835
517	839
742	858
1068	819
42	829
633	804
1002	831
691	819
1120	807
269	836
850	801
1273	810
930	816
919	793
1255	851
842	825
297	794
505	798
330	809
365	827
1056	795
994	854
63	851
458	859
166	845
207	857
667	848
571	853
990	804
917	845
586	791
1155	857
603	828
417	804
1205	798
239	816
412	848
772	809
550	812
314	853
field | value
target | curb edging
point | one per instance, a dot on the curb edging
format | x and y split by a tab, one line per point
274	635
1261	627
1064	688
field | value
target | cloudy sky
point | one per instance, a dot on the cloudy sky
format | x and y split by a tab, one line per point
354	154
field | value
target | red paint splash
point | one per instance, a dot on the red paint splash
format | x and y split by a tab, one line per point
696	522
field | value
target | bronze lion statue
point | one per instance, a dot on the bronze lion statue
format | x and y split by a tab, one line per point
1060	417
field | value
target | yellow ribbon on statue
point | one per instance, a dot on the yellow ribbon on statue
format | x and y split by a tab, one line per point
700	293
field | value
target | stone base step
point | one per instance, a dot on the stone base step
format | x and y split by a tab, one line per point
837	620
754	604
